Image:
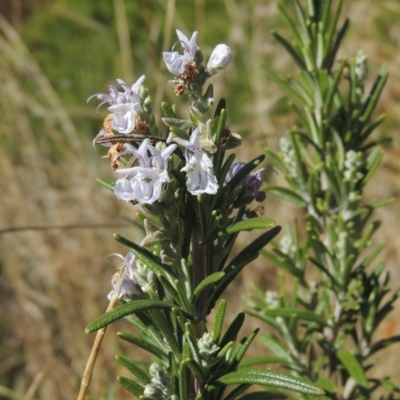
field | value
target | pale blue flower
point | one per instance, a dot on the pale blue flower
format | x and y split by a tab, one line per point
128	286
175	62
144	183
251	183
198	166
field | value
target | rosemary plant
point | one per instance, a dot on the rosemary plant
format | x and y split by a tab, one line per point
324	328
193	202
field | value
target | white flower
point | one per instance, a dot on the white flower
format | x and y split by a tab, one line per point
220	58
175	62
124	105
198	166
144	183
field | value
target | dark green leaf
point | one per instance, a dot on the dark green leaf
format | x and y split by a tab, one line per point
236	392
132	367
219	320
196	369
258	243
220	106
260	395
131	386
213	278
243	347
126	309
144	255
296	57
374	94
144	344
233	330
267	377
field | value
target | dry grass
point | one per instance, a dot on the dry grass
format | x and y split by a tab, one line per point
54	281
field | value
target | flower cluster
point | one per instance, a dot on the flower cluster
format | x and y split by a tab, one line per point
146	178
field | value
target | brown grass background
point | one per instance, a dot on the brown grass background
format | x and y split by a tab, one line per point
54	281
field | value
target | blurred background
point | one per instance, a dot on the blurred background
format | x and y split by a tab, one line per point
56	222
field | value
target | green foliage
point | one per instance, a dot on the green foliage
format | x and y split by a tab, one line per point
169	283
324	330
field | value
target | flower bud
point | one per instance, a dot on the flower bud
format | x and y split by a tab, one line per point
220	58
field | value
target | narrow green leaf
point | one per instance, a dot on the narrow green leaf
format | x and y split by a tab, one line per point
295	313
183	381
287	194
376	91
232	271
277	347
275	160
131	386
373	161
285	86
353	367
267	377
247	225
220	106
259	243
333	19
144	255
330	94
244	347
262	395
167	110
178	123
289	23
219	320
144	344
132	367
196	369
326	384
126	309
368	129
248	254
221	126
218	158
213	278
236	392
106	183
250	362
326	15
172	290
284	43
233	330
303	23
